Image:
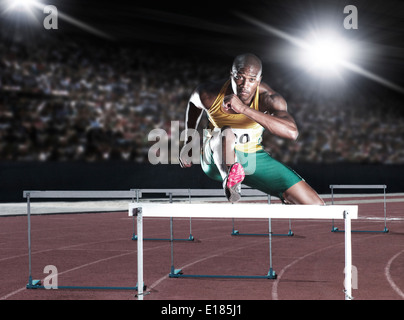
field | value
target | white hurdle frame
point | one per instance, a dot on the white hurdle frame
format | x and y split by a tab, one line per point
346	212
70	194
361	186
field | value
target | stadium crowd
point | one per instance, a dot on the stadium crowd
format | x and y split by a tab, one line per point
91	102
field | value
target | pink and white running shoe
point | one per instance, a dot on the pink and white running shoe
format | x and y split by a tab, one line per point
232	183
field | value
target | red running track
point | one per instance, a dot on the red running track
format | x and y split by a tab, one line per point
96	250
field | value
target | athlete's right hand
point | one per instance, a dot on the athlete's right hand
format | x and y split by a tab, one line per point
184	158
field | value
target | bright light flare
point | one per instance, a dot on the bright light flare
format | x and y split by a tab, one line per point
306	46
325	53
20	10
21	4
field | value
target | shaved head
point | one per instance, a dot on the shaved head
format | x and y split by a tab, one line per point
248	62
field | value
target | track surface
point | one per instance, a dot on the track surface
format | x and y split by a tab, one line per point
95	249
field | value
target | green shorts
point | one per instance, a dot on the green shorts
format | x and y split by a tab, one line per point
262	171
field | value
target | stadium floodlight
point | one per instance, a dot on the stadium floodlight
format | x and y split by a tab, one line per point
334	57
325	53
20	7
21	4
20	11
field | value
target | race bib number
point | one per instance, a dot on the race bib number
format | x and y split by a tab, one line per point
243	136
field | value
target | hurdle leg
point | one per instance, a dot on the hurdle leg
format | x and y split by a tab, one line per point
172	245
32	284
174	273
29	241
140	254
290	233
348	257
271	272
233	231
191	237
333	229
134	236
385	211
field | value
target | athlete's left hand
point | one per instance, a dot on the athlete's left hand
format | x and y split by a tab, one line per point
233	102
184	158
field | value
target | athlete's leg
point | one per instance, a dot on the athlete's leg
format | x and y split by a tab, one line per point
273	177
222	145
302	193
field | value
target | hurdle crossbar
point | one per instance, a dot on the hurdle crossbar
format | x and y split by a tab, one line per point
70	194
346	212
361	186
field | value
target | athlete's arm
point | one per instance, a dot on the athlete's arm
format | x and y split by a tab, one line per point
272	113
193	115
277	118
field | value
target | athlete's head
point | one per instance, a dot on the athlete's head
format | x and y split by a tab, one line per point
245	75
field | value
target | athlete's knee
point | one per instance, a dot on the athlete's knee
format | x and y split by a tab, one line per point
316	200
302	193
228	135
224	138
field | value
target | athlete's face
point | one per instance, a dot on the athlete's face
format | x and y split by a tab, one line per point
245	80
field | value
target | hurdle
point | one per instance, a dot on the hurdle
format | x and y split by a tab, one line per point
36	284
246	192
166	192
369	186
240	210
253	192
176	273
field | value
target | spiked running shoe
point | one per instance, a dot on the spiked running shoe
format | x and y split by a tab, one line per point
232	183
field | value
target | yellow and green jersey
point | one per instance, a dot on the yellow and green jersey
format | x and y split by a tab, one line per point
248	132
